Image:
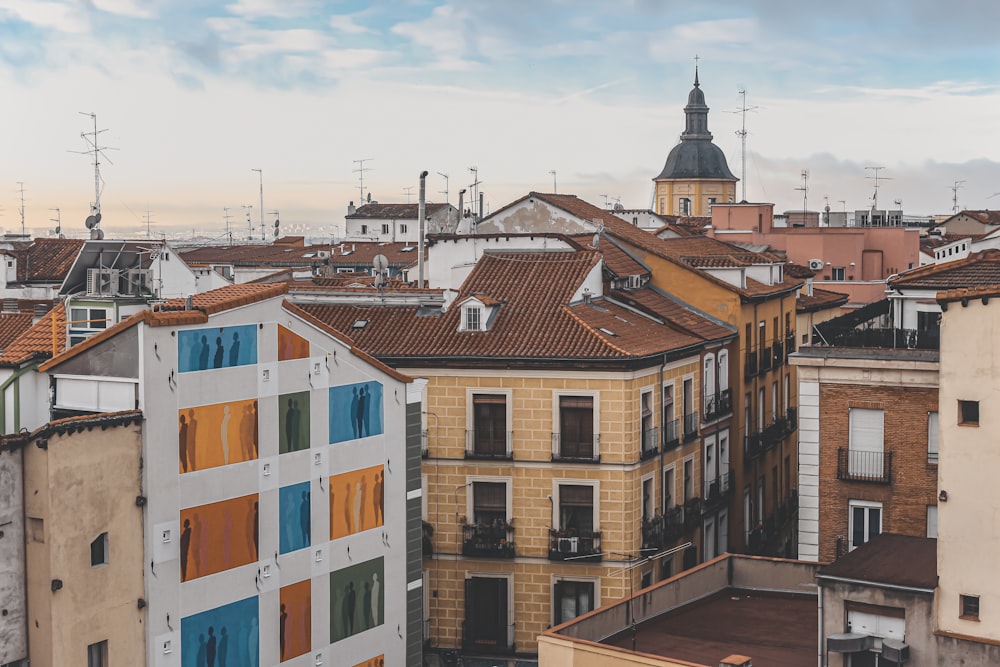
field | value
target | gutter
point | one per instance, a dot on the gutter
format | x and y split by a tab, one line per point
862	582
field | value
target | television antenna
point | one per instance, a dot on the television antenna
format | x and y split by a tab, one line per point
954	195
360	171
804	189
877	178
475	191
408	189
94	148
445	191
248	208
20	185
742	134
229	231
149	217
553	172
57	220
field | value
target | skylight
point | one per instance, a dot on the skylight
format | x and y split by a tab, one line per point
359	324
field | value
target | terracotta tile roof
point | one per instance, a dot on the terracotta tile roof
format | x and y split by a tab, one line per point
36	342
12	325
616	260
793	270
675	313
679	228
534	321
287	255
71	425
821	299
45	260
878	561
981	268
986	217
393	211
984	291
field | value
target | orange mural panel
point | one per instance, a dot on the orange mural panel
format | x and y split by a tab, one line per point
377	661
295	620
216	435
291	345
357	499
219	536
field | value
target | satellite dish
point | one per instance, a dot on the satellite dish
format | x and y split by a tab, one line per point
58	230
380	263
276	223
96	234
97	217
91	221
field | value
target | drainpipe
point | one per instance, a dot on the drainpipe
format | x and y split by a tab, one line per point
421	214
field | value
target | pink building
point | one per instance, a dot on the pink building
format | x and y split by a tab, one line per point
853	260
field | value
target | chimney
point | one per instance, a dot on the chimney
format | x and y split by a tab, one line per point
421	224
480	207
351	208
736	661
461	203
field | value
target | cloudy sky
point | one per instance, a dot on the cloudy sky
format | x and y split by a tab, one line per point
195	94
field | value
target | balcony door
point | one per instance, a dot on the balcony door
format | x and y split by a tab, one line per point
576	425
490	424
486	614
865	455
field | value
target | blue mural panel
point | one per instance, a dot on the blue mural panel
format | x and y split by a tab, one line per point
227	636
294	519
355	411
216	347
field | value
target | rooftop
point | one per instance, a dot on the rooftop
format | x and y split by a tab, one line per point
36	341
881	561
293	254
394	211
980	268
45	260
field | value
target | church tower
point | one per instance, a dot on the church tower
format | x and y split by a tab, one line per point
695	175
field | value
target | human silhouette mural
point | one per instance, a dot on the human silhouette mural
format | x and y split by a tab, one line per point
355	411
295	620
291	345
227	636
219	536
215	435
357	501
293	422
295	517
377	661
357	599
216	347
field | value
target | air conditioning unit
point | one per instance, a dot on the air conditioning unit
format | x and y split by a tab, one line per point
815	264
102	282
569	545
136	282
323	254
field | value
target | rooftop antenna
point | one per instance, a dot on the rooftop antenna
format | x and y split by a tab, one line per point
248	208
954	195
360	171
475	191
742	134
877	178
553	172
94	148
445	191
606	198
263	234
20	186
57	220
149	216
229	230
804	189
408	189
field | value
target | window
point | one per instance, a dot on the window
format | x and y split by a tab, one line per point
723	370
747	515
99	550
684	206
97	654
576	509
489	502
669	496
669	425
576	428
688	480
473	318
402	228
865	457
572	598
647	498
648	432
932	521
385	228
761	485
969	607
838	273
711	203
489	425
690	418
932	437
85	322
865	521
968	413
364	229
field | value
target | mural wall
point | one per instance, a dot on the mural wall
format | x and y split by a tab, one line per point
227	636
293	422
355	411
377	661
357	599
357	501
294	517
219	536
215	435
216	347
295	620
291	345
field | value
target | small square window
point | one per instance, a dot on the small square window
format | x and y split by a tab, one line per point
838	273
99	550
970	607
968	413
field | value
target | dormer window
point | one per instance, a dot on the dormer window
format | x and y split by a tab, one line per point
477	313
473	318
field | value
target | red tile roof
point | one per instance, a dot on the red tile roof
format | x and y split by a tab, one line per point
981	268
290	255
616	260
393	211
36	342
821	299
45	260
12	325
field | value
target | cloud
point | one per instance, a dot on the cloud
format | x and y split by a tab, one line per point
133	8
282	9
348	23
60	16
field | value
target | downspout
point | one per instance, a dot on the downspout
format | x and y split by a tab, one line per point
421	213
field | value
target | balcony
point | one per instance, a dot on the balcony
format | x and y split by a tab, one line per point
650	443
488	540
663	530
789	344
671	434
488	445
692	514
752	447
750	366
861	466
576	450
690	426
482	638
574	546
428	542
719	490
766	358
719	405
778	353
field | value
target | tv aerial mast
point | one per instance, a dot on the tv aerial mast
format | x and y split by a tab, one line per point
94	148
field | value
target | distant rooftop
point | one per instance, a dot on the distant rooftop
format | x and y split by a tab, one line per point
880	561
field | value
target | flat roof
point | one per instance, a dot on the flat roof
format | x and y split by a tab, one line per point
774	629
881	561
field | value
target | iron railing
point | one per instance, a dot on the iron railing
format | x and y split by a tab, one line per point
690	426
488	444
574	545
581	451
671	434
650	443
489	539
864	466
719	405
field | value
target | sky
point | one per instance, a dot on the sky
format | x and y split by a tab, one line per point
192	96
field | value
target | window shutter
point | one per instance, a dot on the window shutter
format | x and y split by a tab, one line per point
867	429
573	495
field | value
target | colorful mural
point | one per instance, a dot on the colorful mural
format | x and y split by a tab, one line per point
291	345
355	411
357	500
293	422
216	347
295	620
294	517
217	435
219	536
377	661
357	599
226	636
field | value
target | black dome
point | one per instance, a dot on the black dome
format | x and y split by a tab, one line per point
696	159
696	97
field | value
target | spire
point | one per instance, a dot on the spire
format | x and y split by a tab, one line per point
696	59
